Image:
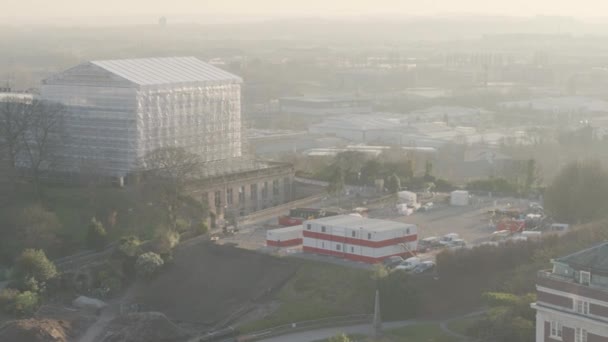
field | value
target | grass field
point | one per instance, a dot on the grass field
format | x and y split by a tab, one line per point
320	290
461	326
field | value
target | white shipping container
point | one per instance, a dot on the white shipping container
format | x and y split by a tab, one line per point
284	234
459	198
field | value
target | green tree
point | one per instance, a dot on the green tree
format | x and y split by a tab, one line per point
579	193
148	264
33	264
167	171
166	240
129	246
510	319
202	228
96	235
428	171
393	184
26	303
336	182
399	297
31	226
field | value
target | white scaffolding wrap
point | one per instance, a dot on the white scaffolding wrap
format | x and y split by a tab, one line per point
120	110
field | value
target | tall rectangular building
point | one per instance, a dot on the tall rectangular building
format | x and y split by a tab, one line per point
120	110
572	298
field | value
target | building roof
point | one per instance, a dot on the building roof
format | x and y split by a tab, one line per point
156	71
591	259
361	222
561	104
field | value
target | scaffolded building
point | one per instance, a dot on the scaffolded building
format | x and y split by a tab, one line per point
120	110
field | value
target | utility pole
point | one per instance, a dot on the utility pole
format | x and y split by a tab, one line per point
377	324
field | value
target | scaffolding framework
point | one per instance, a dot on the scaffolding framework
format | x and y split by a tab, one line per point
121	110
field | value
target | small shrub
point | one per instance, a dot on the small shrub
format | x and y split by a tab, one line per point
129	246
34	264
19	303
147	264
202	228
25	303
165	240
182	225
96	235
7	298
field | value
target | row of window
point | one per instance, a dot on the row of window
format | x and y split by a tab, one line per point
253	193
339	247
353	233
556	331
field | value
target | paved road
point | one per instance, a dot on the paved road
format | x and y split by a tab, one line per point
321	334
366	329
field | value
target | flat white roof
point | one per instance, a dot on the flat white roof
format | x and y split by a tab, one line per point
285	229
165	70
356	222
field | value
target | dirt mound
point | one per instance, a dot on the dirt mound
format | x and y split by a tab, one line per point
36	330
144	327
208	282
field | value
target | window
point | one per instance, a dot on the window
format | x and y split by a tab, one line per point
265	190
338	247
254	192
580	335
369	236
581	306
556	330
241	195
218	199
275	188
229	196
323	229
322	244
407	231
308	226
585	277
352	249
353	233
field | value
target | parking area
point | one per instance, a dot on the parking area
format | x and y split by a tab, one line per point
472	223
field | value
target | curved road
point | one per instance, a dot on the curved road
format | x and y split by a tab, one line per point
365	329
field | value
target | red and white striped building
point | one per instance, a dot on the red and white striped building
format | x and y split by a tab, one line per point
284	237
359	239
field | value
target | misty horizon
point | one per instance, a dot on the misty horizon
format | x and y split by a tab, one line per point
188	11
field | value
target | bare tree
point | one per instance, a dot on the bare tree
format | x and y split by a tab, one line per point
15	116
41	139
166	171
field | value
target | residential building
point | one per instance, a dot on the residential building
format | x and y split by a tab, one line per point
572	298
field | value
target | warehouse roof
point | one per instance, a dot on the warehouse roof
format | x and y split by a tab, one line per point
592	259
360	222
155	71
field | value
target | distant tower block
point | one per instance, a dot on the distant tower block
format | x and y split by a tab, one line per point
162	21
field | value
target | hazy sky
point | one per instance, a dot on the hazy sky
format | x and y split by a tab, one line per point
16	10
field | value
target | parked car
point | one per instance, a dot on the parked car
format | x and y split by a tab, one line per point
408	264
423	267
447	239
457	243
393	261
428	243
